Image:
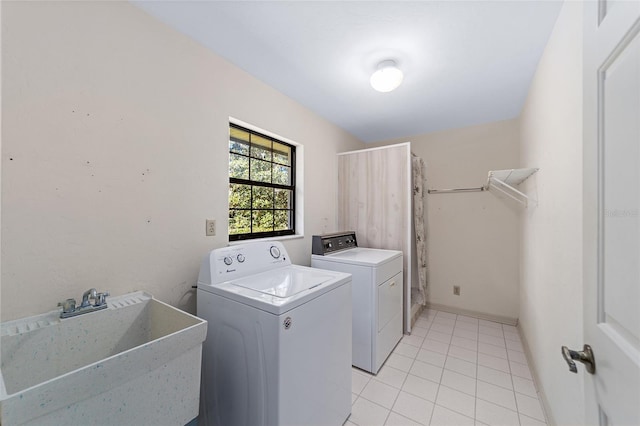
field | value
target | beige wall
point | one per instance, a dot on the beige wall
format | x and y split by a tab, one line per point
551	271
114	152
472	238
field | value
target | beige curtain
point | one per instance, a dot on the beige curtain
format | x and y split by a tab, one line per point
419	294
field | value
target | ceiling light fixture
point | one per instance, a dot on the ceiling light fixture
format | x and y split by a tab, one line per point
387	77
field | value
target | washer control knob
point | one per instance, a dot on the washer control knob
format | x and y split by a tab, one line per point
228	260
240	258
275	252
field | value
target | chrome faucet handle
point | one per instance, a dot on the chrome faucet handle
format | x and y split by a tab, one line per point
89	294
101	298
68	305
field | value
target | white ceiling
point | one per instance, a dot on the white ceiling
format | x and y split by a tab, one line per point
465	62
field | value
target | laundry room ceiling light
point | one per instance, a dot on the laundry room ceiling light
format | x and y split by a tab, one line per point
387	77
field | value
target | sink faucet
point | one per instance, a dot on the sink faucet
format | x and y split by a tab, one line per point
89	294
69	308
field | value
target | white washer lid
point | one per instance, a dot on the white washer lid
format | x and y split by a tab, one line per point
283	282
361	256
279	290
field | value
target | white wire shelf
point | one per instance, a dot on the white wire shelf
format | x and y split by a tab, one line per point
504	181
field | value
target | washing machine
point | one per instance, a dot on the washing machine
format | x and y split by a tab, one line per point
377	291
278	347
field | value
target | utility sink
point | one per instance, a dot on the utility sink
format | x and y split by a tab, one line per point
136	362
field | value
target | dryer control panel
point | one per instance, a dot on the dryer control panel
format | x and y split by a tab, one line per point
329	243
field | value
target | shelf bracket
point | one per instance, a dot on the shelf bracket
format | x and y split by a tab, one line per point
505	181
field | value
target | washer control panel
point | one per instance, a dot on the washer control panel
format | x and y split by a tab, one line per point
329	243
237	261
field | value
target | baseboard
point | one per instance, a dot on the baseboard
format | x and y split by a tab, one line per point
536	378
489	317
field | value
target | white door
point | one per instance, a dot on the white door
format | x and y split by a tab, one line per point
612	210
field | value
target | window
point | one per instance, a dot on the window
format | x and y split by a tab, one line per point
261	185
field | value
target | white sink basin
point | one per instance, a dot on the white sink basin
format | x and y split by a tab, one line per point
136	362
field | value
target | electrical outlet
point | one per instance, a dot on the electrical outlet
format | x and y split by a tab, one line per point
211	228
456	290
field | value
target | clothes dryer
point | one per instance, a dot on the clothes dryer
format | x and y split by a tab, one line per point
377	291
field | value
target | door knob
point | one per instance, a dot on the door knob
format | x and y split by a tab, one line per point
585	356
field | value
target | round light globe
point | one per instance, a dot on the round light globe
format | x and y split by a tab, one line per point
387	78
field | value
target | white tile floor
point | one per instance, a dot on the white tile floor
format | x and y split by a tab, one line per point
452	370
